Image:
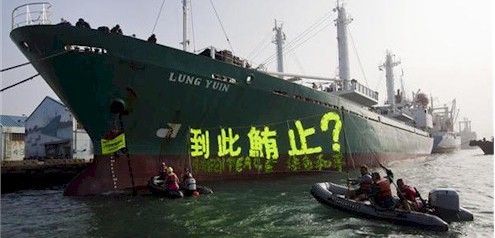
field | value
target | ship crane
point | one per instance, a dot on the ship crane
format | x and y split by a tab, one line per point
342	86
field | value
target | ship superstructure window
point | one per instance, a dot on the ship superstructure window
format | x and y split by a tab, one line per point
83	48
224	78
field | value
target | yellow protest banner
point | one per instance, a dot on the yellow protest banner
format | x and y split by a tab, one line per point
113	145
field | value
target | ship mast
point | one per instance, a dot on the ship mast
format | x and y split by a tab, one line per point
185	41
389	65
341	22
279	42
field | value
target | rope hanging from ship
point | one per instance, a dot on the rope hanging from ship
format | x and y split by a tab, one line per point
158	17
18	83
117	109
221	25
24	64
347	147
29	62
357	56
390	174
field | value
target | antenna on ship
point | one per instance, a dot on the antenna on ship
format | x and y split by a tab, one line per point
185	41
279	42
341	22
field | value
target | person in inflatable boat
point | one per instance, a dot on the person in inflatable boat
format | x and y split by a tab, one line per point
163	172
364	181
189	184
409	196
171	181
381	192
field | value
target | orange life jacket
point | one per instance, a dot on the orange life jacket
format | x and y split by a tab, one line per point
409	193
385	191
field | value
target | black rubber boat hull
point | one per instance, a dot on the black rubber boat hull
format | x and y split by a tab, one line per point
329	195
157	189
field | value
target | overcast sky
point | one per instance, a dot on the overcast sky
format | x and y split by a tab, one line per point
445	46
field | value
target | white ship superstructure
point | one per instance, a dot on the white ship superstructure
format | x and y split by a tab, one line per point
445	140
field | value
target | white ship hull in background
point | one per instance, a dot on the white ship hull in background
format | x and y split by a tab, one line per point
446	142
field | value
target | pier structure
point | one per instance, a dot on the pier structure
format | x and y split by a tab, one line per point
29	174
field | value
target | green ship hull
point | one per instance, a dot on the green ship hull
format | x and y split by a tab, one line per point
191	111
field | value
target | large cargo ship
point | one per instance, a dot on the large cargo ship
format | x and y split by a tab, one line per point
211	112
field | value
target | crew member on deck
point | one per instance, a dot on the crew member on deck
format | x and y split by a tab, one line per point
116	29
64	22
82	23
152	38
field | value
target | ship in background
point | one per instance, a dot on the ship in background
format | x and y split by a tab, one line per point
445	139
212	112
466	134
485	145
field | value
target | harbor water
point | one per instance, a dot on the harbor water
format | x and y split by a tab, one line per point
280	207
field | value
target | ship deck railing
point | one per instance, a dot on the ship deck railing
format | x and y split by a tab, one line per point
35	13
364	90
359	94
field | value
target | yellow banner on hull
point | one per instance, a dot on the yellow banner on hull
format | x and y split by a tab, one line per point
113	145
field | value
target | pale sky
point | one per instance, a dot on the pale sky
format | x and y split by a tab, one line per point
446	46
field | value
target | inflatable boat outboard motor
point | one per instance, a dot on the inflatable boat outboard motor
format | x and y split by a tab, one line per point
445	204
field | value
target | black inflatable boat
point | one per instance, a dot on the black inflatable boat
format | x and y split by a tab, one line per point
444	204
157	188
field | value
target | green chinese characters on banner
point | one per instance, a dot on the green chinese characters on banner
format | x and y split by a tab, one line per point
257	149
